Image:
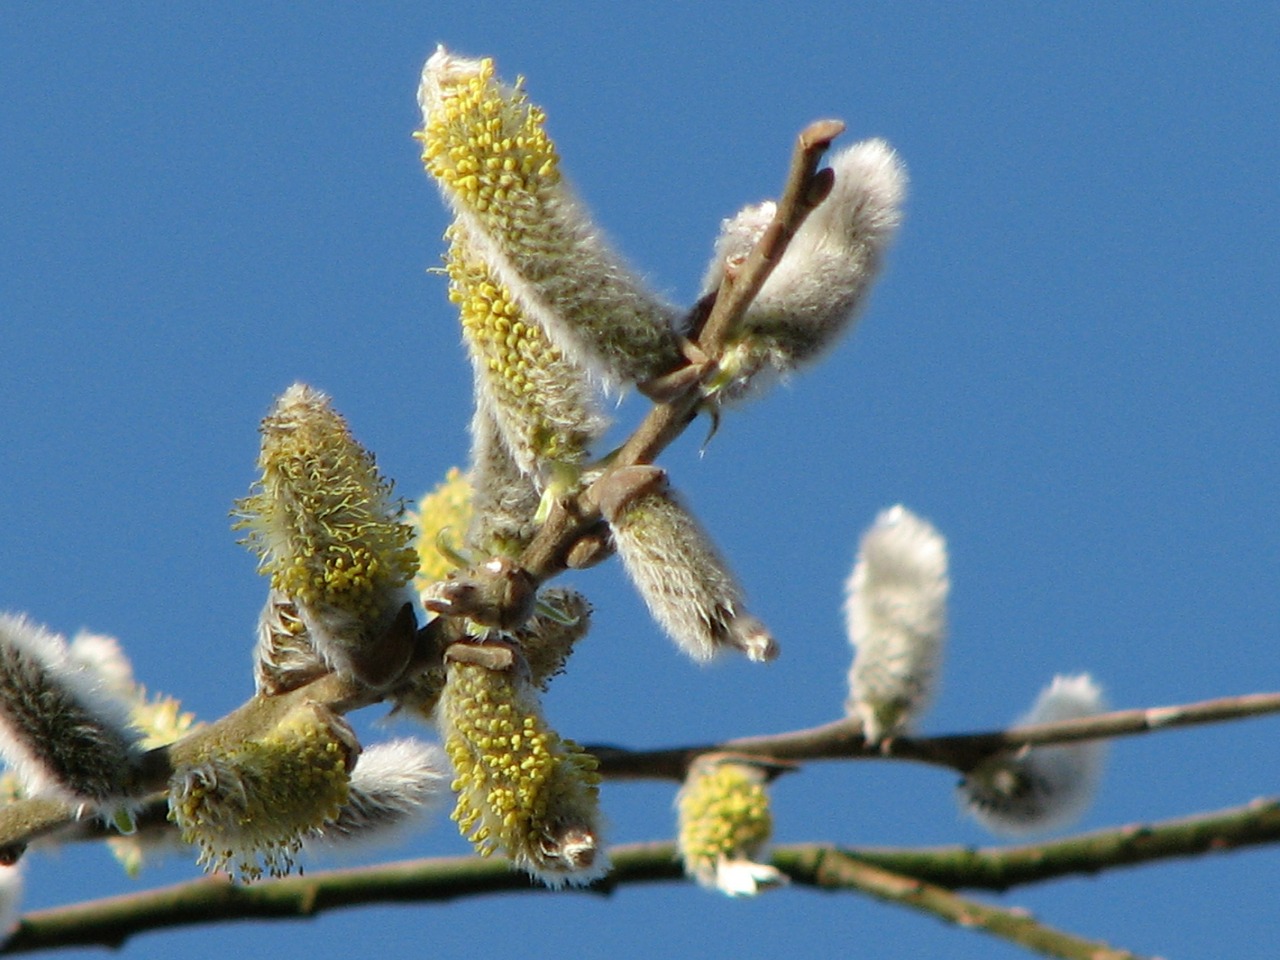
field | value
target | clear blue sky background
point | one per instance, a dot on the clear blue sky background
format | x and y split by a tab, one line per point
1069	366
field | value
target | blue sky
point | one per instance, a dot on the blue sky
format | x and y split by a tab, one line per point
1069	367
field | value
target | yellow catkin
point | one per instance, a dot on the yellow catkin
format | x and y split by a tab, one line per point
329	534
725	822
541	401
487	148
322	518
247	805
443	516
522	790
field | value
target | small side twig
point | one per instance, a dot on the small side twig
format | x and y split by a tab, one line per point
835	870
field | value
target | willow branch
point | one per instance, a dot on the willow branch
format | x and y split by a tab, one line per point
25	821
843	739
112	921
806	186
838	871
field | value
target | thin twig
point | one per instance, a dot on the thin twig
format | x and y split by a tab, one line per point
804	189
836	871
26	820
843	739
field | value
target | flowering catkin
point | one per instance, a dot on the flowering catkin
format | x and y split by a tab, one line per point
682	578
725	824
521	788
821	283
247	798
896	612
487	148
323	522
1041	788
539	399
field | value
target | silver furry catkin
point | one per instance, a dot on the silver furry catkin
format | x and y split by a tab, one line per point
896	613
63	730
816	291
1041	788
682	578
392	784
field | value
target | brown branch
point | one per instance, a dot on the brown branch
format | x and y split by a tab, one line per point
112	921
23	821
843	739
837	871
805	188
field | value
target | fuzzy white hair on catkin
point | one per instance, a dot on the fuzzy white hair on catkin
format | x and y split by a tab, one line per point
393	786
896	615
1042	788
823	277
37	672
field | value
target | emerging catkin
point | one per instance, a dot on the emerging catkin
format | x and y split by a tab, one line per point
676	569
896	611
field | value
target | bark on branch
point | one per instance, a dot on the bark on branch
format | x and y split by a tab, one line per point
918	877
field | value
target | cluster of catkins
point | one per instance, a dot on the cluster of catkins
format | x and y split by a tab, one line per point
550	315
896	614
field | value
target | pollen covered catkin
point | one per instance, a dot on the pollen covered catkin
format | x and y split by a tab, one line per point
540	400
522	790
487	148
329	535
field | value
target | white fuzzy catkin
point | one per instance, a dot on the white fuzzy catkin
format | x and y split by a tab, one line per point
393	784
63	730
818	287
896	613
1041	788
677	570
